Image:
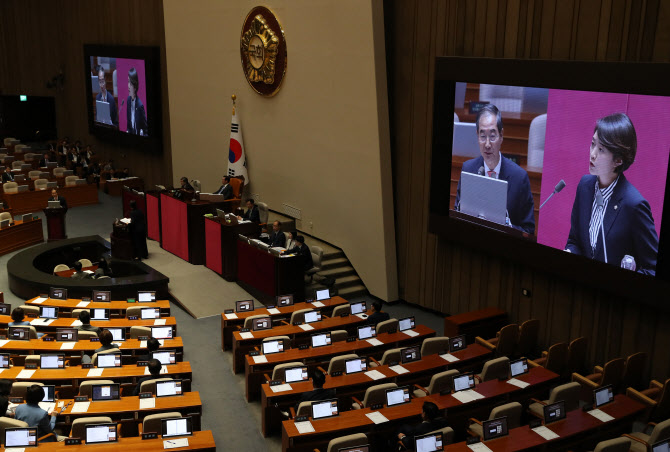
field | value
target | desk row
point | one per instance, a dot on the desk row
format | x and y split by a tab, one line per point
117	308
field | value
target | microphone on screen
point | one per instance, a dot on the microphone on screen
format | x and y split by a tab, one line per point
559	186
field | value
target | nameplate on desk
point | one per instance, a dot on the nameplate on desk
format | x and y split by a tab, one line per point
47	339
472	440
297	323
351	339
376	406
132	317
344	314
130	300
153	435
270	306
72	441
393	331
143	338
82	398
254	353
303	346
31	366
244	330
300	419
87	366
16	399
146	395
142	363
535	423
337	373
86	299
228	311
393	363
95	339
275	382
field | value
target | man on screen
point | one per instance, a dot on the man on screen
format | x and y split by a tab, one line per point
106	96
492	164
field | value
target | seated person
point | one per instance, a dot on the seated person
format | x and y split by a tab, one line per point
225	189
277	237
152	345
318	393
303	252
31	413
78	273
252	213
155	371
432	420
106	339
17	317
7	176
185	185
85	319
377	314
5	391
44	160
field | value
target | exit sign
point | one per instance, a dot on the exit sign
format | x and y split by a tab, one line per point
23	98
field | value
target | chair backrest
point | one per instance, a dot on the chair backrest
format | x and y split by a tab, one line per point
5	216
613	372
507	340
613	445
577	354
557	358
150	385
8	422
662	409
35	174
338	335
16	164
434	345
569	393
635	366
238	186
61	268
390	355
536	132
387	325
30	310
377	394
137	331
249	320
134	311
10	187
197	186
263	212
19	388
86	335
32	359
285	339
94	360
86	263
447	433
41	184
336	363
495	368
279	371
506	98
317	256
153	422
304	409
58	172
70	181
441	381
513	412
299	315
341	309
86	386
660	432
349	441
79	425
527	337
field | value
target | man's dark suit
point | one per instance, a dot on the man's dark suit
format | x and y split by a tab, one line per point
316	395
140	117
628	223
306	255
377	317
7	177
138	233
226	191
63	202
252	215
421	429
519	198
113	112
277	239
43	163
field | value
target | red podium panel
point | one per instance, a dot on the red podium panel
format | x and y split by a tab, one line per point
55	223
221	245
153	216
174	226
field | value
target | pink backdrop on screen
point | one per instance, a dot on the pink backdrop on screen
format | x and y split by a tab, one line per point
571	118
123	65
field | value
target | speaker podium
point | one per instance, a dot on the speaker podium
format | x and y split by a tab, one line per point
55	223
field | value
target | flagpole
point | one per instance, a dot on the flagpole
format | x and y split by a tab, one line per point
234	97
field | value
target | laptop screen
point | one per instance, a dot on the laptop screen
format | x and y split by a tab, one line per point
663	446
463	382
19	333
355	365
495	428
146	296
365	448
312	316
102	295
109	360
410	354
101	433
321	339
67	334
457	343
603	395
52	361
4	361
150	313
181	426
118	334
406	324
554	412
358	308
48	312
293	374
397	396
49	393
168	388
270	347
262	323
244	305
285	300
5	308
322	294
21	437
57	294
99	314
105	392
327	408
161	332
366	332
518	367
431	442
165	356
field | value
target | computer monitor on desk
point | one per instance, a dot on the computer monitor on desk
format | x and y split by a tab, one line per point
20	437
484	197
57	293
284	300
495	428
53	204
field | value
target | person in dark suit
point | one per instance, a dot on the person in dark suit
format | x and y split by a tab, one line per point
56	197
136	117
154	367
520	203
185	185
31	413
277	238
318	393
108	97
79	274
138	232
607	201
152	345
225	189
431	421
7	176
252	213
44	160
85	319
377	314
303	252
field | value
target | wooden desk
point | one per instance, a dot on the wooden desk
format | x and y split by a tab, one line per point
321	356
33	201
21	235
355	385
355	421
115	307
242	346
69	322
482	322
70	272
579	430
221	245
113	187
37	346
228	325
265	276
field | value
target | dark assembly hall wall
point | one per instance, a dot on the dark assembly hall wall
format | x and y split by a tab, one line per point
442	274
38	39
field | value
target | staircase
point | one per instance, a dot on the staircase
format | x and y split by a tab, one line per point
347	283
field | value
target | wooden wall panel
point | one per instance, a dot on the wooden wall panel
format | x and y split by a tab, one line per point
40	38
441	274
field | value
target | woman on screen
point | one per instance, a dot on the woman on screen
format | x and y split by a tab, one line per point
136	117
607	205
